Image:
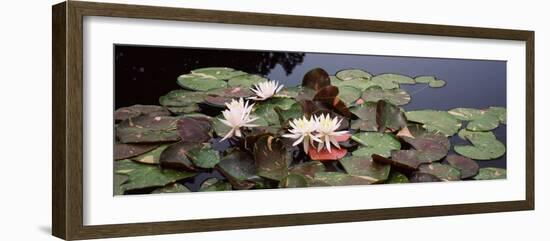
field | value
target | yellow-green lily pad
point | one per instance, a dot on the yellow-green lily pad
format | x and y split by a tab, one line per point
491	173
394	96
433	120
375	143
485	146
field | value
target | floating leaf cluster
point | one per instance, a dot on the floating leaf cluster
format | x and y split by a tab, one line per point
231	130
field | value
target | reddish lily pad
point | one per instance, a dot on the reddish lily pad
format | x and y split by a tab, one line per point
271	158
366	113
342	179
328	95
238	165
195	129
468	168
308	169
137	110
316	79
441	171
403	160
389	117
365	166
325	155
175	157
147	129
125	151
423	177
430	147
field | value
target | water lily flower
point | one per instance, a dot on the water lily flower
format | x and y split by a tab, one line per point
236	116
265	90
302	130
326	131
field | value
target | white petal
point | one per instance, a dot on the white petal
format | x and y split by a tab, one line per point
229	134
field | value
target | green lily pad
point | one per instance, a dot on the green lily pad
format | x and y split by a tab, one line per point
219	127
267	112
182	98
271	158
118	181
499	112
424	79
442	171
375	143
200	82
175	157
125	151
359	83
365	166
350	74
423	177
238	165
366	113
389	116
147	129
221	73
195	129
214	185
294	112
394	96
152	157
491	173
342	179
468	168
485	146
480	120
137	110
433	120
231	92
393	78
289	92
349	94
144	175
316	79
246	81
184	109
396	178
430	147
204	156
308	169
437	83
293	180
172	188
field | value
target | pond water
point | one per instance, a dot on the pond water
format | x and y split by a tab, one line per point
144	73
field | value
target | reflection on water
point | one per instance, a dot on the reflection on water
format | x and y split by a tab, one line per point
143	74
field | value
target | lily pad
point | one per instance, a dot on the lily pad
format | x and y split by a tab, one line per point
350	74
359	83
118	180
468	168
137	110
433	120
293	180
430	147
325	155
238	165
395	78
424	79
437	83
389	116
172	188
328	95
480	120
365	166
195	129
221	73
375	143
214	185
366	113
204	156
199	82
147	129
125	151
231	92
246	81
394	96
308	169
396	178
342	179
144	175
316	79
349	94
423	177
175	157
485	146
181	98
441	171
500	112
491	173
405	160
152	157
184	109
271	158
289	92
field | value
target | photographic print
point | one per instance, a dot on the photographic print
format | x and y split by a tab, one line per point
199	120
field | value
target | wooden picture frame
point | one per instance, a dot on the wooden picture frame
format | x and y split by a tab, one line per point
67	166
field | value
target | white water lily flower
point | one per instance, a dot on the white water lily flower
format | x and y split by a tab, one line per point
236	116
326	131
302	130
265	90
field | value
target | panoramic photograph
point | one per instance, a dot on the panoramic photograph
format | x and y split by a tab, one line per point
200	120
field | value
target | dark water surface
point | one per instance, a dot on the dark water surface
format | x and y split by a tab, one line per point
144	73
